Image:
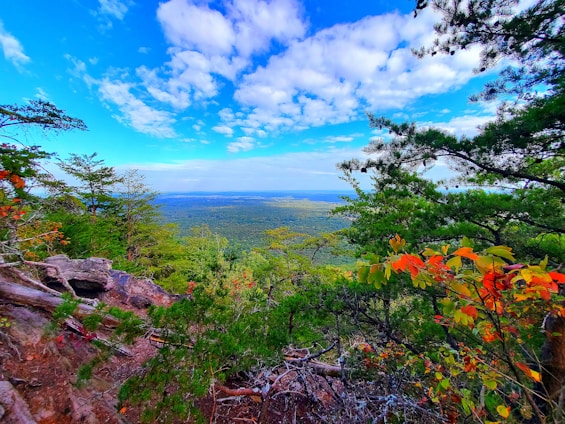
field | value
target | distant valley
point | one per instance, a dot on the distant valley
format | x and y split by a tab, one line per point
244	217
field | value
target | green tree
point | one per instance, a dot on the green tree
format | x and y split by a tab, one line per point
511	175
97	182
532	37
137	211
22	225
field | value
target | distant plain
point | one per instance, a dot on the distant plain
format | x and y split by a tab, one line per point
243	217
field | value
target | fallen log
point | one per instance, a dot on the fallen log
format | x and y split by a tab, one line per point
27	296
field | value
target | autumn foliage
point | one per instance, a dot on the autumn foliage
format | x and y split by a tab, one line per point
495	314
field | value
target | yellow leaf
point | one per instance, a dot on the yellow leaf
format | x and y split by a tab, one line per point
445	248
503	411
461	289
487	264
430	252
455	263
534	375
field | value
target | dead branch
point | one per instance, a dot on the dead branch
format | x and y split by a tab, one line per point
27	296
301	356
242	391
40	286
76	326
61	279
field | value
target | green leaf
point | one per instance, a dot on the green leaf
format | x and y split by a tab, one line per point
490	384
448	306
543	264
501	251
467	242
363	273
376	277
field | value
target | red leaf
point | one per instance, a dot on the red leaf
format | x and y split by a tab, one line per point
556	276
534	375
471	311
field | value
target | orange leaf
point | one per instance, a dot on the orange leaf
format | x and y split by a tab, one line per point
17	181
396	243
534	375
4	174
466	252
411	262
471	311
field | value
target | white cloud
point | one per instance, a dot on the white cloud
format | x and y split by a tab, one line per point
13	49
329	77
339	72
256	23
207	44
468	125
114	8
223	129
42	94
135	112
190	26
342	138
242	144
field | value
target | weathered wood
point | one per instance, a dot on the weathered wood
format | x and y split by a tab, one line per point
27	296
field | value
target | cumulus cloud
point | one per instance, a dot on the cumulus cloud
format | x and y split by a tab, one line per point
468	125
135	112
339	72
124	96
242	144
208	45
13	49
258	57
223	129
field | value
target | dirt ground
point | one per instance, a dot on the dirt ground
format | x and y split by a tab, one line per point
42	363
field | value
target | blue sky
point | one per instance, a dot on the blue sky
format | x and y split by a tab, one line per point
233	94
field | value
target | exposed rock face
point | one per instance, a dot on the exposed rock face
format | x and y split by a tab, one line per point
84	275
139	293
95	278
13	409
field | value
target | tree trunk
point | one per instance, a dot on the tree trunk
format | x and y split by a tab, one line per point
553	365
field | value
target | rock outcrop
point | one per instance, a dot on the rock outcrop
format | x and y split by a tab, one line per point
86	276
95	278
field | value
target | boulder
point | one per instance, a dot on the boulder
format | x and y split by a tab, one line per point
139	293
86	276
